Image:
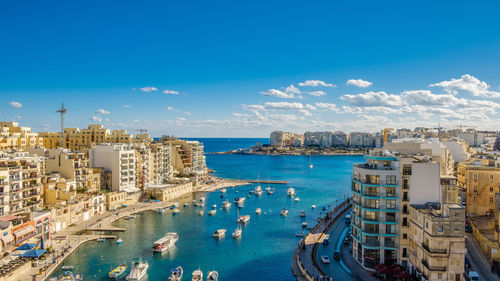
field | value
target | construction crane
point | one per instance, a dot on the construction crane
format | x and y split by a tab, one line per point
62	111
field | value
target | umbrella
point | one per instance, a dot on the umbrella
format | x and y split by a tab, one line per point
42	244
27	246
33	253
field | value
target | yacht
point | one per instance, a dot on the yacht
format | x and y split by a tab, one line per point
197	275
244	219
213	276
284	212
302	213
239	201
304	225
138	271
118	272
200	213
220	233
258	190
237	233
297	199
258	211
165	242
176	274
226	204
212	212
290	191
271	191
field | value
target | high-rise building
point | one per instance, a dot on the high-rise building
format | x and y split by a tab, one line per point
14	137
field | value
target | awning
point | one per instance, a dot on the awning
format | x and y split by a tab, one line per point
7	238
24	231
33	254
26	246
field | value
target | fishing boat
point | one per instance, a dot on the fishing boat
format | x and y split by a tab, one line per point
226	204
212	212
160	210
219	233
165	242
284	212
304	224
200	213
176	211
68	276
176	274
297	199
290	191
118	272
258	211
271	191
214	206
237	233
138	271
302	213
244	219
213	276
119	241
197	275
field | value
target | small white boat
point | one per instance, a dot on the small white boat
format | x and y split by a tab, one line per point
304	224
186	204
268	188
325	259
197	275
290	191
214	206
258	190
213	276
284	212
176	274
119	241
138	271
165	242
131	217
237	233
258	211
100	239
313	206
118	272
297	199
68	276
244	219
202	199
223	190
219	233
176	211
200	213
270	191
160	210
239	201
197	204
212	212
302	213
227	204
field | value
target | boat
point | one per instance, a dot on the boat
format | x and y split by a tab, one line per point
160	210
313	206
219	233
226	204
310	163
176	211
68	276
100	239
244	219
251	192
137	271
197	275
213	276
304	225
237	233
239	201
68	267
299	235
197	204
186	204
119	241
258	190
176	274
131	217
212	212
290	191
268	188
302	213
223	190
118	272
200	213
165	242
214	206
173	206
297	199
258	211
202	199
325	259
284	212
271	191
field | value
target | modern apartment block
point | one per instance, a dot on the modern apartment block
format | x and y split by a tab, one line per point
284	139
481	179
188	158
14	137
357	139
120	160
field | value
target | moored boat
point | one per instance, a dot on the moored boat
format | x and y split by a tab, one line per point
237	233
176	274
284	212
239	201
302	213
214	206
212	212
118	272
197	275
213	276
227	204
200	213
223	190
160	210
138	271
313	206
304	224
219	233
244	219
176	211
68	276
119	241
290	191
165	242
258	211
258	190
297	199
271	191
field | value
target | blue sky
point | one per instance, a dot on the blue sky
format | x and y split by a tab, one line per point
226	65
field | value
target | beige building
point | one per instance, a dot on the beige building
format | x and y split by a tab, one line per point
166	192
115	200
14	137
187	158
286	139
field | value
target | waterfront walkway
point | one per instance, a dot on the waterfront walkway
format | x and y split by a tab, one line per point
304	265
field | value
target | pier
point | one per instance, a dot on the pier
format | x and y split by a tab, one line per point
267	181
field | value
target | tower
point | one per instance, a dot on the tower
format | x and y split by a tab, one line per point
62	111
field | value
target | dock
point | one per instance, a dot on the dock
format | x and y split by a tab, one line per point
267	181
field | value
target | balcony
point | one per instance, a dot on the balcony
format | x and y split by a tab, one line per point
434	251
371	230
372	167
371	218
370	206
371	243
433	268
371	193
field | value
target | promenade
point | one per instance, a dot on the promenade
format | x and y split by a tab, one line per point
304	265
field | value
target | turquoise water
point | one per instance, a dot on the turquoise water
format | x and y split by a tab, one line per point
265	248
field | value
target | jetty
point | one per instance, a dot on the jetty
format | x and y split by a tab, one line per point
267	181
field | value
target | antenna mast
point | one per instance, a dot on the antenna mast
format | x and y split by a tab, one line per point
62	111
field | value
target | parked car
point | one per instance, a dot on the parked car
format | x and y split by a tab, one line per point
468	229
473	276
336	255
467	264
325	241
325	259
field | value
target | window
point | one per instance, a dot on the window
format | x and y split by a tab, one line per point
405	236
491	178
405	184
406	169
474	177
390	179
404	252
440	229
491	188
405	221
390	204
491	200
475	188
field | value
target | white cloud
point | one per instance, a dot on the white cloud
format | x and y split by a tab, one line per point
16	104
373	99
170	108
284	105
327	106
467	83
317	93
278	93
293	90
359	83
187	112
180	119
170	92
126	106
148	89
96	118
310	107
102	111
315	83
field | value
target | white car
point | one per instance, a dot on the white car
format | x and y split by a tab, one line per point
325	259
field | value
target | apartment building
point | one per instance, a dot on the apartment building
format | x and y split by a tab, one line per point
120	161
73	166
481	179
285	139
14	137
166	192
357	139
188	158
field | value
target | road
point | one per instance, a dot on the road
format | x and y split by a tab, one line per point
478	261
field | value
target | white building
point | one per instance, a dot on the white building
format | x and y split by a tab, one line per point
118	159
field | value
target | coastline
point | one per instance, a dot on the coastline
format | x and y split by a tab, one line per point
289	153
68	240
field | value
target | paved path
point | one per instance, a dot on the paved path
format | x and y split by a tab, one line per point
478	260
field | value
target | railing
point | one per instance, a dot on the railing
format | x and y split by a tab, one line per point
433	268
372	167
371	206
371	193
434	251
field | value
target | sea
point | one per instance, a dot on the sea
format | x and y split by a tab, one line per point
264	250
